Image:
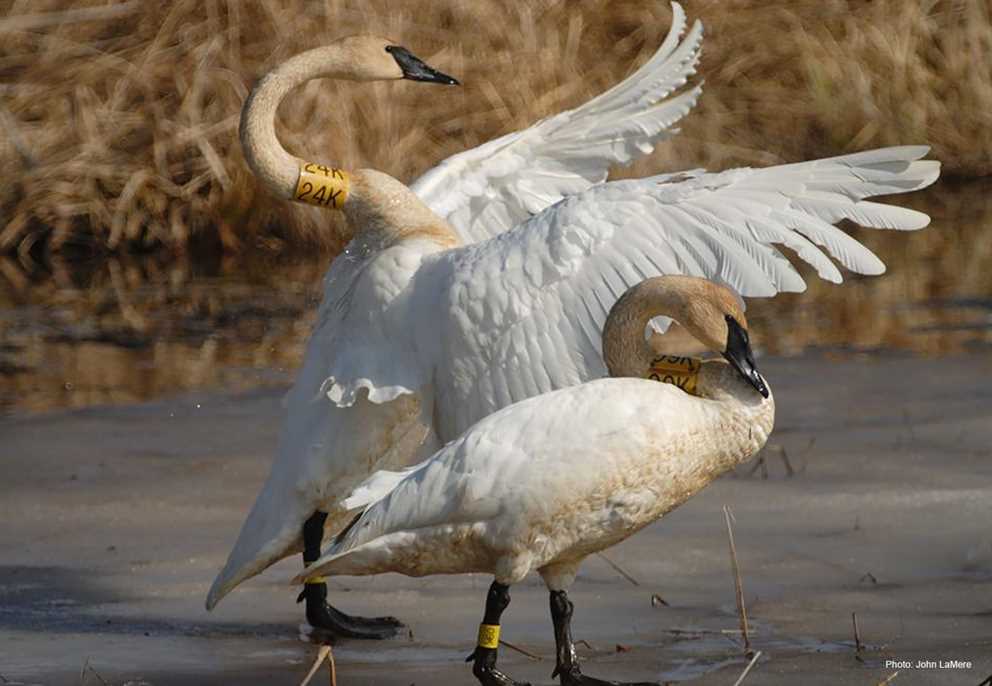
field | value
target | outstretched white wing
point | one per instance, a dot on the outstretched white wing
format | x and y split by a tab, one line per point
523	312
494	187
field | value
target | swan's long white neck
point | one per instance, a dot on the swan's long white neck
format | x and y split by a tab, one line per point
276	168
377	206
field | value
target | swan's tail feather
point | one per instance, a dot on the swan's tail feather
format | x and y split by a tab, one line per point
241	567
263	541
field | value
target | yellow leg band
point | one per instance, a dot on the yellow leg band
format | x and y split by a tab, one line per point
488	635
316	580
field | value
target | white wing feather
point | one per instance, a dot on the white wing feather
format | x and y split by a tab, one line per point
524	310
374	488
494	187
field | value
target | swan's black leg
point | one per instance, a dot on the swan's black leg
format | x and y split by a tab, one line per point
320	614
484	657
567	664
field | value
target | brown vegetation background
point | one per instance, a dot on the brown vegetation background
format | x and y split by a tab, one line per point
118	139
118	122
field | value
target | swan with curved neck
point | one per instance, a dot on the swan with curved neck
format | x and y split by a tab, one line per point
693	301
544	483
371	200
324	448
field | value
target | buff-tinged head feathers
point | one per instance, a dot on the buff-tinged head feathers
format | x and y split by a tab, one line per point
701	306
714	314
703	309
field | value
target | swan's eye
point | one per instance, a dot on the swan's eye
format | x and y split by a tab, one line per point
734	324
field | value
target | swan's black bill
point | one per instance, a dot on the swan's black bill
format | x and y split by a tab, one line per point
415	69
738	353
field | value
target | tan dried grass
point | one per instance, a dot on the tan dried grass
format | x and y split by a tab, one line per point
118	122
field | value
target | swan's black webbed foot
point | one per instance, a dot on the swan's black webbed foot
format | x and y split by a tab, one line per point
484	655
494	677
386	622
574	677
567	665
485	670
328	622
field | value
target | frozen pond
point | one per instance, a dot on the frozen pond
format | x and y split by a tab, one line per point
116	519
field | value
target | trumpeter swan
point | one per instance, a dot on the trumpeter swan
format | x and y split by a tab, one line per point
301	487
418	338
544	483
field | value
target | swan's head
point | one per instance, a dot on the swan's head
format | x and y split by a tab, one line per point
714	314
379	59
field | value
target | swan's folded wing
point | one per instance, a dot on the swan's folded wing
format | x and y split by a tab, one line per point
499	466
491	188
463	483
525	309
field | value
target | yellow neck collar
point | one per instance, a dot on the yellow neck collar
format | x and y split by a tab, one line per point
322	186
678	371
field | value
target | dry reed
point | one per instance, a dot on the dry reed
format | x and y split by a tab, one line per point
323	653
118	122
738	584
858	646
619	570
747	670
